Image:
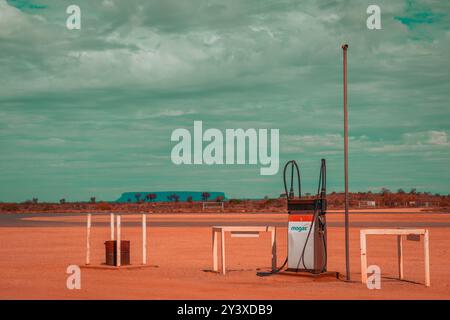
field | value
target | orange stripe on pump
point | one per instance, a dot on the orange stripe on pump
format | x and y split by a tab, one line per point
300	217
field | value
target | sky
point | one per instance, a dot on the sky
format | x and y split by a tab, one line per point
90	112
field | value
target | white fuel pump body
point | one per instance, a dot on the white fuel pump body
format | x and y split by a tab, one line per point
298	228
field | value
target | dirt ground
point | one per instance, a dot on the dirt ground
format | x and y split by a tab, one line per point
33	259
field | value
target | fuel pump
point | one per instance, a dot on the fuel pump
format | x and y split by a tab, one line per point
307	228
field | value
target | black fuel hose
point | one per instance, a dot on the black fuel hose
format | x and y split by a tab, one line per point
289	195
321	194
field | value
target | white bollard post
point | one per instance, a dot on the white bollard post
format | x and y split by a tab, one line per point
118	241
400	256
88	240
426	241
363	252
112	225
144	239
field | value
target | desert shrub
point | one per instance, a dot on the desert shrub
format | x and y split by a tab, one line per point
103	206
274	202
234	201
47	207
10	207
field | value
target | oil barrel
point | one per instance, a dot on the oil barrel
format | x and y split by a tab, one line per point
111	252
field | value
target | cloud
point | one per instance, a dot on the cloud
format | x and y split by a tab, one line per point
438	138
332	144
417	142
418	14
114	90
299	143
26	5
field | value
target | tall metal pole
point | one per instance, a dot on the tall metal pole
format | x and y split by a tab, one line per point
88	240
347	254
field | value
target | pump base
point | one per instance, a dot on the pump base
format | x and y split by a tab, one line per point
305	273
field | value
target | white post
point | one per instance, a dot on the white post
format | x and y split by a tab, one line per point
144	239
274	247
112	225
214	251
400	256
363	248
427	258
118	241
88	240
222	233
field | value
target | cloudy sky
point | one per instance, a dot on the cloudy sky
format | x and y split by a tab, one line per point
90	112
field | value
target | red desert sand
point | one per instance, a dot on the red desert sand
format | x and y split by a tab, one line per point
34	260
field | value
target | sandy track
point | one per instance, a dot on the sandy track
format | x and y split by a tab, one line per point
33	261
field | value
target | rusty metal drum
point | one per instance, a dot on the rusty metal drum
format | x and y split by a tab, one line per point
111	252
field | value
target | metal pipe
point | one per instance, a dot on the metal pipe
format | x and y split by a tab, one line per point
347	255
